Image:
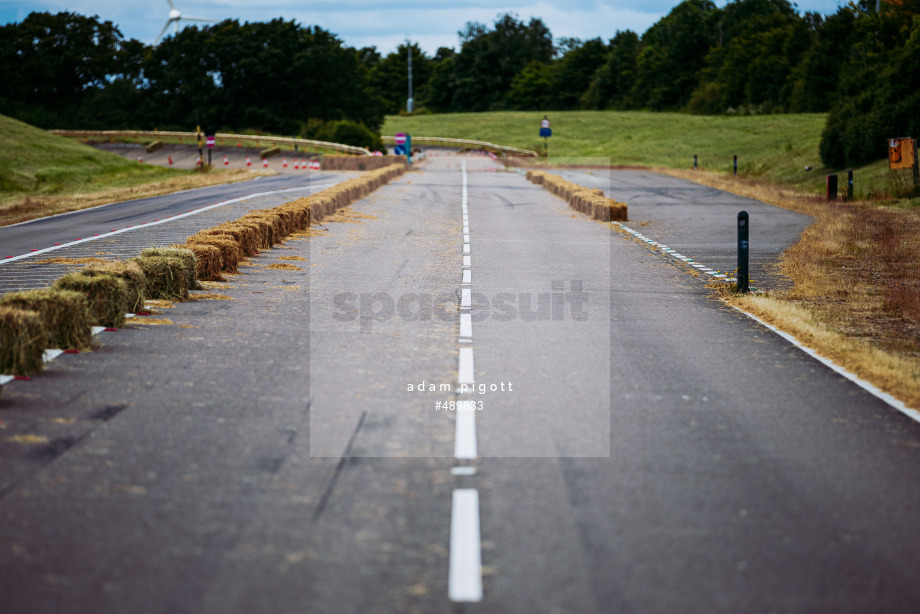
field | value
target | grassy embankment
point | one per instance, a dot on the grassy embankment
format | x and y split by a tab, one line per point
42	174
856	271
774	148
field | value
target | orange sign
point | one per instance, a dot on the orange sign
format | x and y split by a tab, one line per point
901	153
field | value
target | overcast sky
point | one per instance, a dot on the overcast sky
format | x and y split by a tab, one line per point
380	23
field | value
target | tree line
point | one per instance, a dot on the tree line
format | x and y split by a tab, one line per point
859	65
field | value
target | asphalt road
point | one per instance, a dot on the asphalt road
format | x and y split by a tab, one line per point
654	451
46	232
701	221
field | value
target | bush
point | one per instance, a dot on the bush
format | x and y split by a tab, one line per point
344	132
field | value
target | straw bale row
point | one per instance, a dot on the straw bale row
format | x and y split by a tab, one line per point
99	295
222	247
359	163
62	316
590	201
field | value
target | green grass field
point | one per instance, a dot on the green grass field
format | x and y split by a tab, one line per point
776	148
36	162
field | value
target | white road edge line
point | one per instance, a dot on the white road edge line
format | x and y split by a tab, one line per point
894	402
884	396
465	573
157	223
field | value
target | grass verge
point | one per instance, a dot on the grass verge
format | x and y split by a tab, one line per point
855	296
773	148
42	174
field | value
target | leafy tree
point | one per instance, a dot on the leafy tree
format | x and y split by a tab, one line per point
532	88
816	77
573	72
880	96
674	51
441	83
489	60
390	78
761	42
49	64
266	76
612	82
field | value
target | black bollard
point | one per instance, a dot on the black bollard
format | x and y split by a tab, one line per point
735	165
849	185
743	274
695	165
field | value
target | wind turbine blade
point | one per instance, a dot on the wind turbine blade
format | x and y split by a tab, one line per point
191	18
171	5
160	35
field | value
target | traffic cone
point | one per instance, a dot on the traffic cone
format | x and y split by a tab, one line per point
303	163
296	164
264	162
169	159
226	161
248	161
284	162
140	159
198	161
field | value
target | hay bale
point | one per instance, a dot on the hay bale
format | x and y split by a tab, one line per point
184	254
154	146
167	277
271	151
275	231
131	273
248	236
22	341
230	252
209	261
64	315
601	211
106	296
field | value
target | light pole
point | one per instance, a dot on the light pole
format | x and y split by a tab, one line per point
410	102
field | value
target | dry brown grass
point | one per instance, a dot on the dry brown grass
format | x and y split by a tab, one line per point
159	304
147	321
205	296
855	296
15	209
74	261
295	258
284	266
215	285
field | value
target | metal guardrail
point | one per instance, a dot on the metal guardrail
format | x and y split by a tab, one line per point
461	143
165	134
